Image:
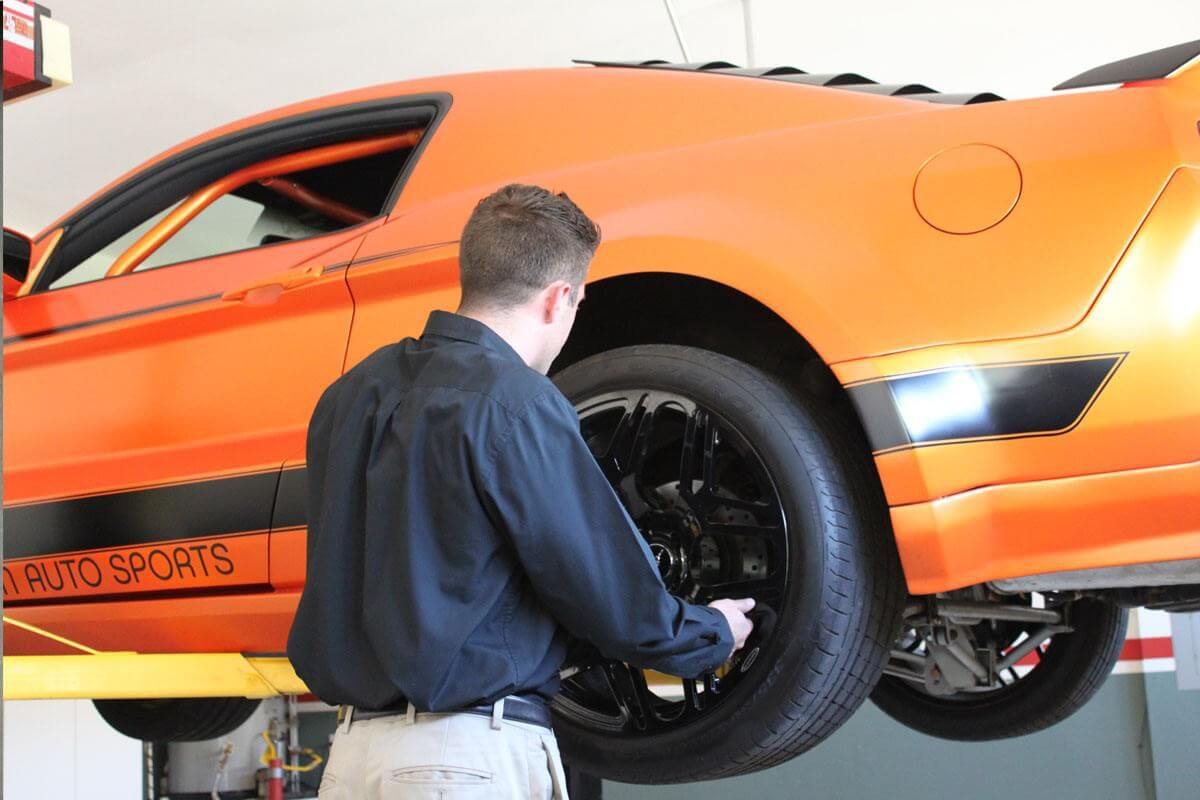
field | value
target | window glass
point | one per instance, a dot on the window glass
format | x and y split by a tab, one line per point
299	206
94	267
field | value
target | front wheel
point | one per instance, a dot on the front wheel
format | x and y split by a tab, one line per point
741	488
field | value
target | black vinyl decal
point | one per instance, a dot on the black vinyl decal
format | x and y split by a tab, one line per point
207	298
212	507
291	503
989	401
110	318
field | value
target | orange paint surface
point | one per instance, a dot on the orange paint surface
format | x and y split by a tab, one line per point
806	199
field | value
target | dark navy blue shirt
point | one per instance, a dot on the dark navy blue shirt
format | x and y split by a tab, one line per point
459	529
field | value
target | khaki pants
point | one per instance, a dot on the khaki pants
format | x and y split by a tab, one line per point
422	756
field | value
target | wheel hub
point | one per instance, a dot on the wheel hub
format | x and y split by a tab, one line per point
671	558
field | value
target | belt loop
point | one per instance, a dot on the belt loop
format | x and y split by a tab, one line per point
411	713
348	714
497	713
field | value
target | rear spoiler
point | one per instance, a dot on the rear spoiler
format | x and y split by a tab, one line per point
1165	63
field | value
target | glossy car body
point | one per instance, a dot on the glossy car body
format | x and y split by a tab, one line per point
1008	291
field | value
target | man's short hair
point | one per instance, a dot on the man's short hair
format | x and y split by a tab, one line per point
518	241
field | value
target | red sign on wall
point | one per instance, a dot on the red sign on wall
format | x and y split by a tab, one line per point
19	43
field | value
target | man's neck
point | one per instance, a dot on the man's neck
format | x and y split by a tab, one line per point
510	327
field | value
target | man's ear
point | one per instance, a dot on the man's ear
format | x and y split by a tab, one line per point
557	300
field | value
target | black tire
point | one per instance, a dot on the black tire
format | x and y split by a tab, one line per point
177	720
840	612
1071	670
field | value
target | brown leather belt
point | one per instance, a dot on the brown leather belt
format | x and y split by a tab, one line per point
516	709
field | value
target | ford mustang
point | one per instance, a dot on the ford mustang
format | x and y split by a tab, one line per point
916	371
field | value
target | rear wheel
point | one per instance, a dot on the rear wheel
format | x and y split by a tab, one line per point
741	488
971	677
176	720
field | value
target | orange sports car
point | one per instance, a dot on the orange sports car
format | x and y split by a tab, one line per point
916	371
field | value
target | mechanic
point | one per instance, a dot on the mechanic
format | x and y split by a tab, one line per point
460	531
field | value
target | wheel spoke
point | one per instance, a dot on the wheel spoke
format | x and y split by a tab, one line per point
712	686
693	700
629	689
641	442
750	531
708	459
646	698
630	443
687	454
759	588
687	463
771	580
624	436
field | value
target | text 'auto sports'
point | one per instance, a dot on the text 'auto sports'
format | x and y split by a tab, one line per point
915	371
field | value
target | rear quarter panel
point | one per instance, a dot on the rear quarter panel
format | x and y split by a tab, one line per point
807	204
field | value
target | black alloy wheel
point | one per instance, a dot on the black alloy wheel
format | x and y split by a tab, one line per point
710	513
741	488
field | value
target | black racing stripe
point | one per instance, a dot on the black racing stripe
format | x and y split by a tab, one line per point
111	318
291	502
988	401
416	249
880	416
390	254
211	507
166	306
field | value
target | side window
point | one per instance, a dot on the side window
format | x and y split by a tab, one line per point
259	206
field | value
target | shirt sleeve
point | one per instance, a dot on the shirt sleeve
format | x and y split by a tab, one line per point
585	557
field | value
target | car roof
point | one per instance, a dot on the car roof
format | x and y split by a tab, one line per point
491	87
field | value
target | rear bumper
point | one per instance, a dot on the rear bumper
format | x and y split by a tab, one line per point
1085	522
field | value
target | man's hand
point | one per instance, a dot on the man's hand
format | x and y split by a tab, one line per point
735	612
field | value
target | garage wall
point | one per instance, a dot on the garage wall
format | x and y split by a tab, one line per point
63	749
1137	739
873	756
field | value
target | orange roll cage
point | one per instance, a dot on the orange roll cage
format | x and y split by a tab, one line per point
195	203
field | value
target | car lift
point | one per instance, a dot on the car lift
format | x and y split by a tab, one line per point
126	675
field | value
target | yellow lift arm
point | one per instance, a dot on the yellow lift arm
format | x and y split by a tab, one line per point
99	675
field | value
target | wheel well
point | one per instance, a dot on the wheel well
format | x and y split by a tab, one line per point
668	308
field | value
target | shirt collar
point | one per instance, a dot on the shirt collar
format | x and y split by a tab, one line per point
464	329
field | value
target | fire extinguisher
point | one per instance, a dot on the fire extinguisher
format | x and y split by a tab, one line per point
275	779
275	767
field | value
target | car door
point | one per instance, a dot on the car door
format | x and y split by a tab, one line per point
148	415
404	269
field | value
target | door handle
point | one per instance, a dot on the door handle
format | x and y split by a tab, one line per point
285	280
